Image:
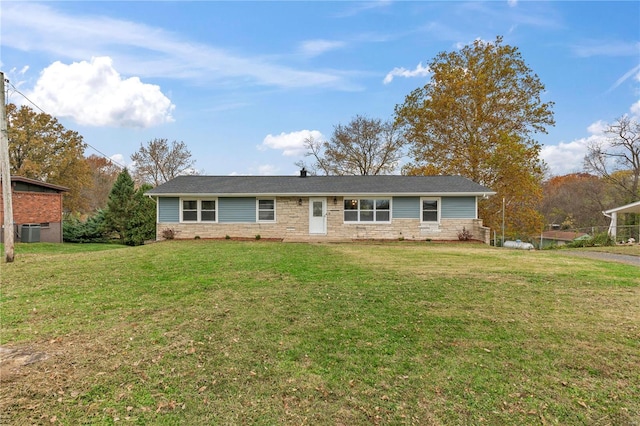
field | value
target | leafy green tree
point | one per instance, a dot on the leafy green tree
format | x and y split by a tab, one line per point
41	148
365	146
476	118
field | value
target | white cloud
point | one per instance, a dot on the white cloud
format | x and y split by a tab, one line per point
314	48
598	128
512	3
632	73
364	6
568	157
590	48
419	71
460	45
267	170
291	144
147	51
119	160
94	94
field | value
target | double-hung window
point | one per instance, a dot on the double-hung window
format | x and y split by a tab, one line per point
198	210
367	210
430	210
267	210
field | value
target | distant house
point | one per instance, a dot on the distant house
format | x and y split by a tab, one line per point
560	238
320	208
37	210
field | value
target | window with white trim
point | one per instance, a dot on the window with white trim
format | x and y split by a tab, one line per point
198	210
430	210
367	210
267	210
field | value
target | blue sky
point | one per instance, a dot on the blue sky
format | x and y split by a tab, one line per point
244	83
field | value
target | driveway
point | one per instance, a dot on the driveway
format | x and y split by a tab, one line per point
599	255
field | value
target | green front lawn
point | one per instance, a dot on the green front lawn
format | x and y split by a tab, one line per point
228	332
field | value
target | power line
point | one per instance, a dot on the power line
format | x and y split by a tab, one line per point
44	112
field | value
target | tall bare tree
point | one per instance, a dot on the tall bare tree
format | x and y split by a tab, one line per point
617	157
157	162
365	146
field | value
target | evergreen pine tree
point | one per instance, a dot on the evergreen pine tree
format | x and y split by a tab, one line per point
120	205
142	221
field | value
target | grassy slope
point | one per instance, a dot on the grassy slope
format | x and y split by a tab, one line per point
224	332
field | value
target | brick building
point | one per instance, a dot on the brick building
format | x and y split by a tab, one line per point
37	209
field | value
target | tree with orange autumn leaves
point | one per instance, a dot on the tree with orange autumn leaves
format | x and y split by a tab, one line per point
476	118
103	175
576	201
43	149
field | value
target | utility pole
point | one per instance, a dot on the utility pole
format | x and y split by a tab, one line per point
5	167
502	221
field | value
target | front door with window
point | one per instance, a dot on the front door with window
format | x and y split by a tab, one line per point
317	215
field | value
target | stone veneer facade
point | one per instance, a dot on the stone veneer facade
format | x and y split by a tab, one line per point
292	224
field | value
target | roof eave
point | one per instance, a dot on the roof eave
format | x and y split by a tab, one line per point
629	208
321	194
39	183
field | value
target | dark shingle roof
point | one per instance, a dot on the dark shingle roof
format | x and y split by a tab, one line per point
34	182
319	185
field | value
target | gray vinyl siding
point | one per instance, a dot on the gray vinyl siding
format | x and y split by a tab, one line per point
237	209
458	208
406	207
168	209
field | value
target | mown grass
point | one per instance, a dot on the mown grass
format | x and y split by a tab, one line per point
227	332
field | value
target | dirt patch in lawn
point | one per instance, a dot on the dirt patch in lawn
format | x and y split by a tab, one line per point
13	359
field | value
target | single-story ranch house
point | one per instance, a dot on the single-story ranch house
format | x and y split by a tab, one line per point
320	208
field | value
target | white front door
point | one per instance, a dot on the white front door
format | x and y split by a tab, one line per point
317	215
